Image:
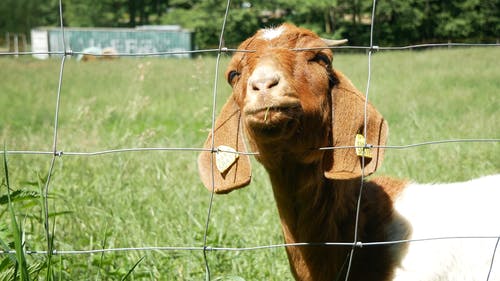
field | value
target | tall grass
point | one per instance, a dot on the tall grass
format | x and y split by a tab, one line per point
13	266
138	199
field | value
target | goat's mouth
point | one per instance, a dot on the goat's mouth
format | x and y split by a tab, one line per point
276	120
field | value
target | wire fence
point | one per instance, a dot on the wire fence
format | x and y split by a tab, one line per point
56	153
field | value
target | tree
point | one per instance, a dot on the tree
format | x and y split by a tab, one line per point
399	22
22	15
88	13
467	19
396	22
141	11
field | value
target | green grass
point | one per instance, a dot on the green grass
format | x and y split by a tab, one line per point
138	199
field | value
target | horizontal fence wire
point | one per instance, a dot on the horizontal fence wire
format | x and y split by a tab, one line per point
55	152
232	50
358	244
199	149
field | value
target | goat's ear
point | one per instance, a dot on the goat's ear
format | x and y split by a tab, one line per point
348	130
230	170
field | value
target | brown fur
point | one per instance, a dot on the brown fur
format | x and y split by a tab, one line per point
314	209
316	191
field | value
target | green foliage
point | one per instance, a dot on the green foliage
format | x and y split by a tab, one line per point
93	13
396	22
21	267
15	204
393	25
462	19
22	15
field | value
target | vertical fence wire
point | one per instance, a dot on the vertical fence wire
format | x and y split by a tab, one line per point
214	109
357	243
55	153
493	256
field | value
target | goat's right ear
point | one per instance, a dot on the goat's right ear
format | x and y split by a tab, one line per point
348	127
230	169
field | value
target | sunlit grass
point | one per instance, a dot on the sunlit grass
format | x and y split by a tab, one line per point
139	199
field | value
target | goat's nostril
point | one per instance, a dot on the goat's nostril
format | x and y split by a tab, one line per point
266	83
274	83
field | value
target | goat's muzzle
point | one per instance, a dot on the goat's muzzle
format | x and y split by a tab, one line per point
272	108
272	122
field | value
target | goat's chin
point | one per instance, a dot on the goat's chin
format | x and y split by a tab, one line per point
272	124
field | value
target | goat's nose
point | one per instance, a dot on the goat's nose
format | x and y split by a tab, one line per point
264	82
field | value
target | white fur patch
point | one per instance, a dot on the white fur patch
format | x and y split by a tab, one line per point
272	33
466	209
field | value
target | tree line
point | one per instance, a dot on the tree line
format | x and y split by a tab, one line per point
396	22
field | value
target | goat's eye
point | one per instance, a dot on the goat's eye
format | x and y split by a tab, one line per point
231	75
323	58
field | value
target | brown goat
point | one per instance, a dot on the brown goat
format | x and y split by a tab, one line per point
289	103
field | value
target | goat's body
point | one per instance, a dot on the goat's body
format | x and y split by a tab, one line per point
291	103
465	232
465	212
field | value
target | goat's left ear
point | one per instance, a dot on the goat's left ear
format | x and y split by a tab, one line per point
347	130
230	169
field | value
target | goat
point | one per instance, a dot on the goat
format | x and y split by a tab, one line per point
289	103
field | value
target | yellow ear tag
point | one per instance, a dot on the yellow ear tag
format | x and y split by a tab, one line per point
225	157
360	144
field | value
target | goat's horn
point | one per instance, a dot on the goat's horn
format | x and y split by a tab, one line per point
331	42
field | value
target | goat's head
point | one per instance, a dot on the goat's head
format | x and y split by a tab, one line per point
288	100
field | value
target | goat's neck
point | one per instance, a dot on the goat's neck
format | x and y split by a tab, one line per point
313	210
316	210
306	200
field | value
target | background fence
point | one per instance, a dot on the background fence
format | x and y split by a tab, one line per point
56	154
122	40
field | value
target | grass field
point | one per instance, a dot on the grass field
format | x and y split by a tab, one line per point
142	199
